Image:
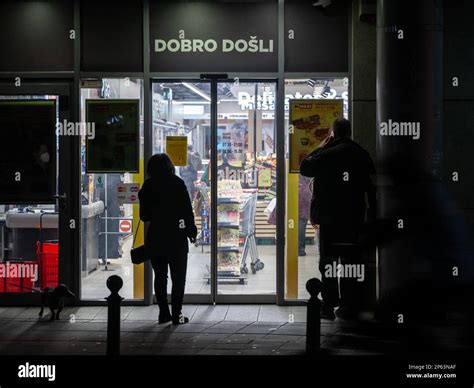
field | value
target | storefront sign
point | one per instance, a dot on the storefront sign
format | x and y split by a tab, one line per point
213	36
266	101
310	123
127	193
177	150
211	45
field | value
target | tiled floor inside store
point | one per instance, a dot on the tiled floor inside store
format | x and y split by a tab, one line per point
262	282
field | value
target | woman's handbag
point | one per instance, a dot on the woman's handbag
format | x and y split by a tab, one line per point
138	254
270	212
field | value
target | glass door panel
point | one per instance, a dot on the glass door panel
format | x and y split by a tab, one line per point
246	188
29	220
183	108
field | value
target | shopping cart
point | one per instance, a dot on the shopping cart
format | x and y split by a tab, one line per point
247	232
202	207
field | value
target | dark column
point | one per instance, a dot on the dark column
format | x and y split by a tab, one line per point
409	90
363	102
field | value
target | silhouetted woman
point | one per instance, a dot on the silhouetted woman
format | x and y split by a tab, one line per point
164	201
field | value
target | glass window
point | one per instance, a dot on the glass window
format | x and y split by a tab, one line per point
302	256
107	226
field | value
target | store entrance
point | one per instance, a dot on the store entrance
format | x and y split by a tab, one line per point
35	197
230	174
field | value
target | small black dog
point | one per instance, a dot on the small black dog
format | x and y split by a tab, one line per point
54	298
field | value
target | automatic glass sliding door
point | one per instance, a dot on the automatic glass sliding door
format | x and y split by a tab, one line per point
246	188
183	109
237	149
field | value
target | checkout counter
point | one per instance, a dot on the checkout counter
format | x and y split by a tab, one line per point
90	236
20	231
24	226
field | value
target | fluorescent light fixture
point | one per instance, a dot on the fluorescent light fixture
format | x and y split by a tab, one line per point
191	102
228	100
323	3
193	109
197	91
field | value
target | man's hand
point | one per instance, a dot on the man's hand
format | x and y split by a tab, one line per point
192	239
327	140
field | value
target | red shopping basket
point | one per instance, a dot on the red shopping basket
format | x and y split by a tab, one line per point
48	257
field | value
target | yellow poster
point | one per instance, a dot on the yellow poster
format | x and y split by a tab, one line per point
177	149
310	123
265	177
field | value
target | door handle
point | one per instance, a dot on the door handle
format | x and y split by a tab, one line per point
62	204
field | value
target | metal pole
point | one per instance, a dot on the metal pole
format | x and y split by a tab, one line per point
255	152
213	169
106	187
279	141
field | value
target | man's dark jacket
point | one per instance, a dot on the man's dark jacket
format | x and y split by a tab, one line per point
165	203
341	171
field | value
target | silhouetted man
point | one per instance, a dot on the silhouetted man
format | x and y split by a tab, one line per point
341	169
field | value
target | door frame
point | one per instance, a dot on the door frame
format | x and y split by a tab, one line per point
68	248
213	79
147	271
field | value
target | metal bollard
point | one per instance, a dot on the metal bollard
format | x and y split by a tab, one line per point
114	300
313	319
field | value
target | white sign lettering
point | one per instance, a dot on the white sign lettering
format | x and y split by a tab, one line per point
252	45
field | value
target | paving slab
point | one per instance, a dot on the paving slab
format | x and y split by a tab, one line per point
213	330
242	313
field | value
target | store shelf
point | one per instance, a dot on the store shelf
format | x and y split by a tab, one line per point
228	249
227	225
227	201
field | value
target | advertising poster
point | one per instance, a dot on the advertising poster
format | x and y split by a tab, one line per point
265	177
310	123
231	141
115	144
177	150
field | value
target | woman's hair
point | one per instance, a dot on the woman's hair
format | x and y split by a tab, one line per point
160	165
